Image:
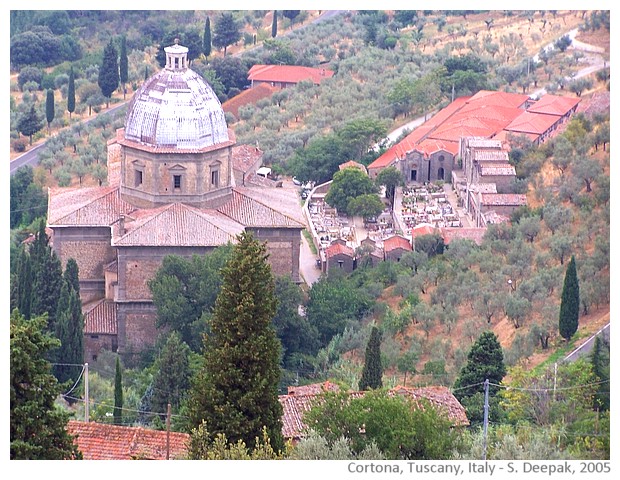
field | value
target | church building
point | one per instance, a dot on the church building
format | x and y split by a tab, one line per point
172	189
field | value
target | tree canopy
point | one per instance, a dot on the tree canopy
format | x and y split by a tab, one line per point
348	184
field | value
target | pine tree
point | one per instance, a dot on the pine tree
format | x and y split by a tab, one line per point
70	332
206	38
372	371
236	392
49	108
38	427
569	306
172	374
274	24
71	93
108	72
118	394
123	65
30	123
485	361
226	31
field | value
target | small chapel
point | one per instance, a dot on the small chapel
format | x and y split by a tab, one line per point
178	184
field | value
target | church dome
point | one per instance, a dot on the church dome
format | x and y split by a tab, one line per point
176	108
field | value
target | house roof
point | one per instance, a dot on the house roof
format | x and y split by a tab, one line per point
352	164
288	73
529	122
99	441
294	406
503	199
554	105
264	208
244	157
248	97
176	224
89	206
100	318
339	249
396	241
423	229
504	169
474	234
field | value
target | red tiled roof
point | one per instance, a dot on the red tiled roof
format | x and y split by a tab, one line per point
89	206
352	164
313	388
99	441
262	208
245	157
248	97
554	105
295	406
100	318
177	224
475	234
529	122
394	242
423	229
287	73
339	249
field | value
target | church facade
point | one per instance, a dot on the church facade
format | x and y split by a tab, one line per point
171	190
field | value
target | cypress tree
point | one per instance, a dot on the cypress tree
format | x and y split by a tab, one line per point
206	38
274	24
569	306
38	427
372	371
600	366
118	394
24	284
72	275
49	108
47	282
71	93
172	374
108	72
123	66
236	392
69	330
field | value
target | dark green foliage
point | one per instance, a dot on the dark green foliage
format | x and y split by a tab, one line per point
372	371
38	427
231	71
188	37
23	297
563	43
485	361
172	375
28	201
348	184
226	31
400	429
29	123
71	93
291	14
320	159
184	292
274	24
49	107
390	178
601	367
118	393
334	303
367	206
123	65
38	46
72	275
431	244
206	38
236	391
569	306
297	335
69	330
29	74
108	72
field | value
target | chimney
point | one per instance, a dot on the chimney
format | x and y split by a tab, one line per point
121	224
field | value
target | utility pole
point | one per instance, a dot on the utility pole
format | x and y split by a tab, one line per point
168	432
86	397
485	425
555	378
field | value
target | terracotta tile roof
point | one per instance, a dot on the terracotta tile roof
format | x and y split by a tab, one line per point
165	149
488	155
396	241
475	234
423	229
99	441
262	207
100	318
483	187
176	224
244	157
89	206
313	389
339	249
490	97
499	199
353	164
430	146
288	73
554	105
529	122
248	97
494	218
295	406
497	169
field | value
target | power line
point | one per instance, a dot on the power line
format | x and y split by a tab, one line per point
127	409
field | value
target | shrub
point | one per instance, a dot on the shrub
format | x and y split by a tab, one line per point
19	145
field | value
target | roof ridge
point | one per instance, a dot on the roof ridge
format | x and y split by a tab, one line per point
291	218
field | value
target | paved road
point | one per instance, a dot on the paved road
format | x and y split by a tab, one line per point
586	347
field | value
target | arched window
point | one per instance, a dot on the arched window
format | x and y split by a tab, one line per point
440	173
